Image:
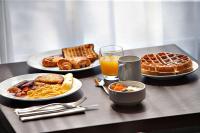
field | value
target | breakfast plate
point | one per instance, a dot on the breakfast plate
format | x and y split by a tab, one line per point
194	65
77	84
35	61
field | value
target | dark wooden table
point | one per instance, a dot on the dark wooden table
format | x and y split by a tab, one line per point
169	104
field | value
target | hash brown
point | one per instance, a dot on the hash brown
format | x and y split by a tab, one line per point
50	79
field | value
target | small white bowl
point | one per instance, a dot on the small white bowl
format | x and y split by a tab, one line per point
128	97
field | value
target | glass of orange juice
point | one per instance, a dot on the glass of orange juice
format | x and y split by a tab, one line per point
109	56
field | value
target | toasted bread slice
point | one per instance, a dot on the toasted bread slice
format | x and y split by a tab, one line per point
86	50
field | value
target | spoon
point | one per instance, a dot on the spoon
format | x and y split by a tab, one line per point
100	83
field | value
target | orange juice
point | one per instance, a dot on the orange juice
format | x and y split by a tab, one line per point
109	65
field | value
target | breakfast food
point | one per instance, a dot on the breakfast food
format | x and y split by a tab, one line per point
80	62
72	58
43	86
50	79
118	87
86	50
21	88
165	63
124	88
75	62
51	61
64	64
45	91
67	83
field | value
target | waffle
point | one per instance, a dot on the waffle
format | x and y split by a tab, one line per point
165	63
86	50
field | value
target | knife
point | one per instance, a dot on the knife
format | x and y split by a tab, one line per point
79	109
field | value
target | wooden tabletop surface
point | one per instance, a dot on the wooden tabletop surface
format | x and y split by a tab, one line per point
168	103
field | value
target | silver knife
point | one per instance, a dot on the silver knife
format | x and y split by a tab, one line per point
58	113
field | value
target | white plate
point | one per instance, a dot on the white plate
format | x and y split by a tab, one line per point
14	80
195	67
35	61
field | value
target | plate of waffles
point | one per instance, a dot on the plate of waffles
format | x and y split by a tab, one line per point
70	59
165	65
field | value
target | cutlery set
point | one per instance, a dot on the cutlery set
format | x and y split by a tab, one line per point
53	109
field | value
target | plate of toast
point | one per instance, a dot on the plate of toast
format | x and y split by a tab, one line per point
165	65
39	87
70	59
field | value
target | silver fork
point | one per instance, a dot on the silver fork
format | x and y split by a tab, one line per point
65	105
100	83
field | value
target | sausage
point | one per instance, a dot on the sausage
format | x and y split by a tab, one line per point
19	85
28	84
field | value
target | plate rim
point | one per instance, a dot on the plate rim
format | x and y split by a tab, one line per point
172	76
51	70
40	99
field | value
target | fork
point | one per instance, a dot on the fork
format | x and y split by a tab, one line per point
100	83
65	105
